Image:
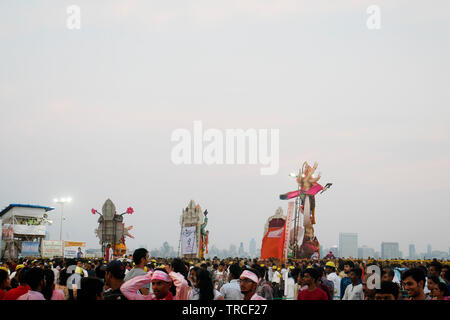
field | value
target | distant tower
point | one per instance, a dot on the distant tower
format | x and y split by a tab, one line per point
412	251
252	248
429	250
241	251
348	245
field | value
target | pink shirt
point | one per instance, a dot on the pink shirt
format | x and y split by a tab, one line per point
32	295
256	297
58	295
131	287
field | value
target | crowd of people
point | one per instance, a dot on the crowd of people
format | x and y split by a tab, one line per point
139	277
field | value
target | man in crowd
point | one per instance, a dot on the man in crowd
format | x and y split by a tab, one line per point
140	259
249	280
388	291
345	281
162	281
36	281
436	269
414	281
115	273
387	274
276	282
326	285
354	290
232	289
311	278
23	287
330	270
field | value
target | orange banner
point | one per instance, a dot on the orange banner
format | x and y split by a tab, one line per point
272	244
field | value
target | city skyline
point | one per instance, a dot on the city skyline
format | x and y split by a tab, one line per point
403	247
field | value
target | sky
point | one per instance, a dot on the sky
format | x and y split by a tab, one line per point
89	114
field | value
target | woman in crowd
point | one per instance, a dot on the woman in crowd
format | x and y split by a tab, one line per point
49	291
203	287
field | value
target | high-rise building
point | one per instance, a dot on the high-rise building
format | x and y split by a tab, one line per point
412	251
241	251
364	252
348	245
429	250
252	247
389	250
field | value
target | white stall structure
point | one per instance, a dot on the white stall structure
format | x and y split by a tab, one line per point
23	227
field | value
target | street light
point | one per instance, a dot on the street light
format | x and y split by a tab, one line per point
61	201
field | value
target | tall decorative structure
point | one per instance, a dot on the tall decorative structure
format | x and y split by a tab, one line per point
305	203
194	236
273	238
111	230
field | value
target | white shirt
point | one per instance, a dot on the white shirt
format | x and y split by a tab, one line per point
56	272
276	277
337	284
425	289
284	273
232	290
353	292
289	292
219	280
270	274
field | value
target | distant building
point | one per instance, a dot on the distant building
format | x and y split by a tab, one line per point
348	245
364	252
241	251
412	251
439	254
429	250
390	250
252	248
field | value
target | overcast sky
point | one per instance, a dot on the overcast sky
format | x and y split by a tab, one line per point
89	113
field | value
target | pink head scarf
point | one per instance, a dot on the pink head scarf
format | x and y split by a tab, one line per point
250	275
160	275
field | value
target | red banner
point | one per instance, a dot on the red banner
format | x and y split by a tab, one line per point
272	244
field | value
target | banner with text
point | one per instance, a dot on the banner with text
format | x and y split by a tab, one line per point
188	240
76	250
30	249
51	248
23	229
